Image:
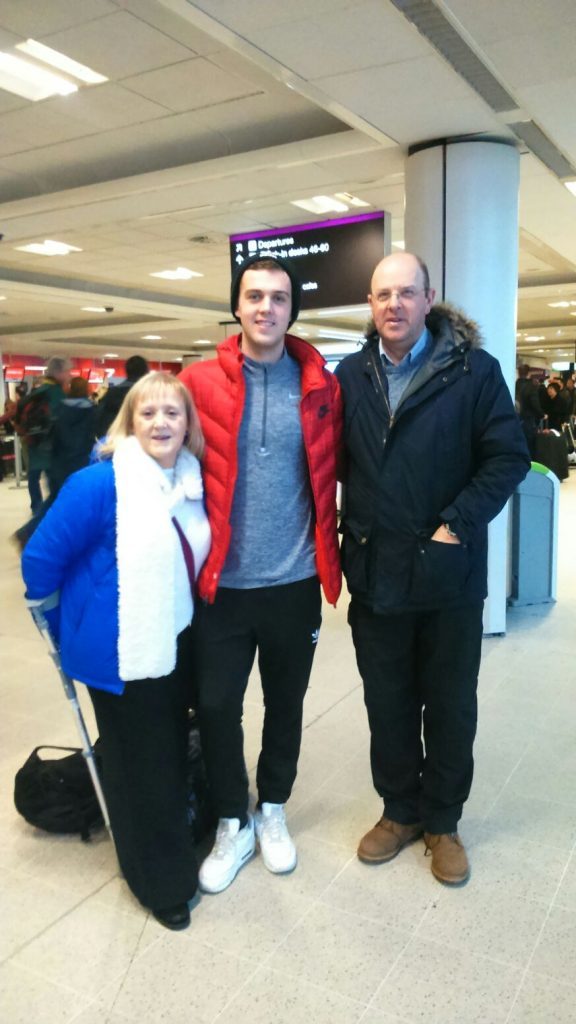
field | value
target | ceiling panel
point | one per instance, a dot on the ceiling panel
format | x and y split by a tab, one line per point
554	104
10	102
487	23
34	126
7	39
544	203
231	60
37	18
169	141
324	45
118	45
386	97
249	17
171	25
189	85
105	107
114	154
556	49
266	121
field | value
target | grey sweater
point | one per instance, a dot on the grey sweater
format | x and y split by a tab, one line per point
272	530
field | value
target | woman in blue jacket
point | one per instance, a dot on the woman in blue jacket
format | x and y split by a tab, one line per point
123	543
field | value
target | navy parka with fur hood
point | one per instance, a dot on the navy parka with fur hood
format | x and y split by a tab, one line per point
453	452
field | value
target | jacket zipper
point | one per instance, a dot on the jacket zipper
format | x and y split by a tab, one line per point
378	373
263	450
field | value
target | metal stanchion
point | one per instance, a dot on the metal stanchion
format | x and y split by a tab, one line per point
17	462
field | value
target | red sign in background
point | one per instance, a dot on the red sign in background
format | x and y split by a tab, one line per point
94	370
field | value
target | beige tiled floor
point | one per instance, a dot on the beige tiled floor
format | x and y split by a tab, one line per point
336	942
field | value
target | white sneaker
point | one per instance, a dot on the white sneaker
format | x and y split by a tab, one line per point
276	844
233	846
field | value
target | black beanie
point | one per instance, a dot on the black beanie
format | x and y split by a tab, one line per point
285	265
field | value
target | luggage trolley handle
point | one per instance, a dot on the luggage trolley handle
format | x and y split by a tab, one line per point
37	609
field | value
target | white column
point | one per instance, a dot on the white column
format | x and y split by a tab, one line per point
462	219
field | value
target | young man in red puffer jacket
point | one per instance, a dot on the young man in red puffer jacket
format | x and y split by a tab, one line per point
271	416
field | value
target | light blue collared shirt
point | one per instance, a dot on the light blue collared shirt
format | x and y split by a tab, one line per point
399	376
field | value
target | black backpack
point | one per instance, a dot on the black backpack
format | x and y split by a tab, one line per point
56	794
33	418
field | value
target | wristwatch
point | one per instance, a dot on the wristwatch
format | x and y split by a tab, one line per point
450	531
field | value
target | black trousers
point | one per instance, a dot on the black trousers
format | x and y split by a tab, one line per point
282	624
144	738
420	675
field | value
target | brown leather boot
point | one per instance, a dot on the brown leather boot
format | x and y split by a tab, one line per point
386	839
449	861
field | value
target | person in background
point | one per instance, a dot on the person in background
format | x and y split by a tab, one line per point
21	391
271	414
8	416
528	407
73	435
53	388
554	405
434	450
109	406
7	428
122	544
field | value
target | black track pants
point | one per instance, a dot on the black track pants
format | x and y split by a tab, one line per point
282	624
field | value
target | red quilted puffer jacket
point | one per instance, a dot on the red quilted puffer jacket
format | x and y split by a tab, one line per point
218	389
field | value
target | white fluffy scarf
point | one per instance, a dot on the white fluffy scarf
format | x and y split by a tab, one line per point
145	539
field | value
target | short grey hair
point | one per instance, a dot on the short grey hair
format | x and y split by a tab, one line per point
57	365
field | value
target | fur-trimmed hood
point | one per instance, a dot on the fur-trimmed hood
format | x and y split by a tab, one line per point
464	330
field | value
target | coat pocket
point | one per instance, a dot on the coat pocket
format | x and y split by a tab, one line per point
439	572
355	554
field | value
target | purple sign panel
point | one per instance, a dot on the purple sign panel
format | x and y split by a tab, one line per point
334	258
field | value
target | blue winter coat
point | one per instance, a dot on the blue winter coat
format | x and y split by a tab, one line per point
73	550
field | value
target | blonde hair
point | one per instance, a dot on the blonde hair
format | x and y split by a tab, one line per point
149	387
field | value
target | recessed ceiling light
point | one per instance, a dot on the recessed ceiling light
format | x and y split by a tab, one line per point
61	61
347	197
362	310
571	186
559	305
48	248
202	341
23	78
2	298
539	350
321	204
535	337
151	337
340	335
111	355
180	274
94	309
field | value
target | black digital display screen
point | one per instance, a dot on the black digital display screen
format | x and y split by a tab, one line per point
334	259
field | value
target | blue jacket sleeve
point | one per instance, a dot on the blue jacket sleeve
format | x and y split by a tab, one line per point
72	525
